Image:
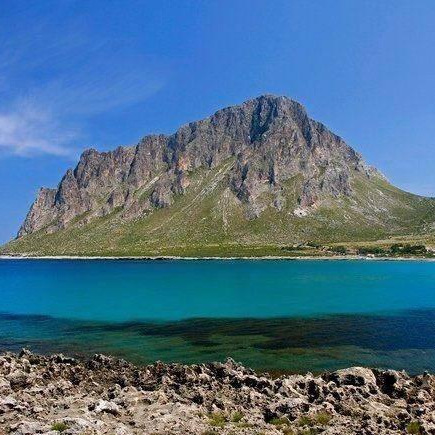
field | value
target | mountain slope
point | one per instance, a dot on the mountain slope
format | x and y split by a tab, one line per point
258	176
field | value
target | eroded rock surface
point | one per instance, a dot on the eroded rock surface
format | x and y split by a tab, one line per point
52	394
268	141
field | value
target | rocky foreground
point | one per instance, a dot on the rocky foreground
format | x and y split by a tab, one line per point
53	394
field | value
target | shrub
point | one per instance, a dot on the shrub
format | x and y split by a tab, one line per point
313	245
217	419
338	249
305	420
279	421
59	426
323	418
375	250
414	428
310	431
414	249
236	417
244	424
290	248
398	248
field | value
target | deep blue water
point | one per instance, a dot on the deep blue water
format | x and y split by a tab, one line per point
275	315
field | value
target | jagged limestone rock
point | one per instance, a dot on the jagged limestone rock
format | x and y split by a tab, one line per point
272	139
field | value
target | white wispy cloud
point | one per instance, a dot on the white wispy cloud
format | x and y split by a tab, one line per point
53	84
26	130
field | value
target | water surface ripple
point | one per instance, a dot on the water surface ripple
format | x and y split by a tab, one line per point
271	315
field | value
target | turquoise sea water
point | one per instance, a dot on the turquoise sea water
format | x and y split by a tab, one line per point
271	315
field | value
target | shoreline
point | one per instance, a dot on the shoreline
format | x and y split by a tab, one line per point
103	395
210	258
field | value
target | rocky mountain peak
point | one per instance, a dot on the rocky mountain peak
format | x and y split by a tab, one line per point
261	145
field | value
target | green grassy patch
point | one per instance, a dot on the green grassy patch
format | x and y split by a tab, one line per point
59	426
414	428
217	419
208	220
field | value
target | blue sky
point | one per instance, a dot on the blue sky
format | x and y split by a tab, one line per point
76	74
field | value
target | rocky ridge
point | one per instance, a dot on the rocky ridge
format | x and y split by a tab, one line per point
53	394
268	141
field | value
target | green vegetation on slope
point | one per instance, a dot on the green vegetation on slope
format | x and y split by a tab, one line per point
209	221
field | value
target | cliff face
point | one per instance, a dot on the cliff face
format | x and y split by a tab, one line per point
261	174
269	141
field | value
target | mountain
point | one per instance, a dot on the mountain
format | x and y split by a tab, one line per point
258	176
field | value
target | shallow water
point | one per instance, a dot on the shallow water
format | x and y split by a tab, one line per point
271	315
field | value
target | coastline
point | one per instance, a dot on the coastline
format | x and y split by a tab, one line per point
210	258
103	395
